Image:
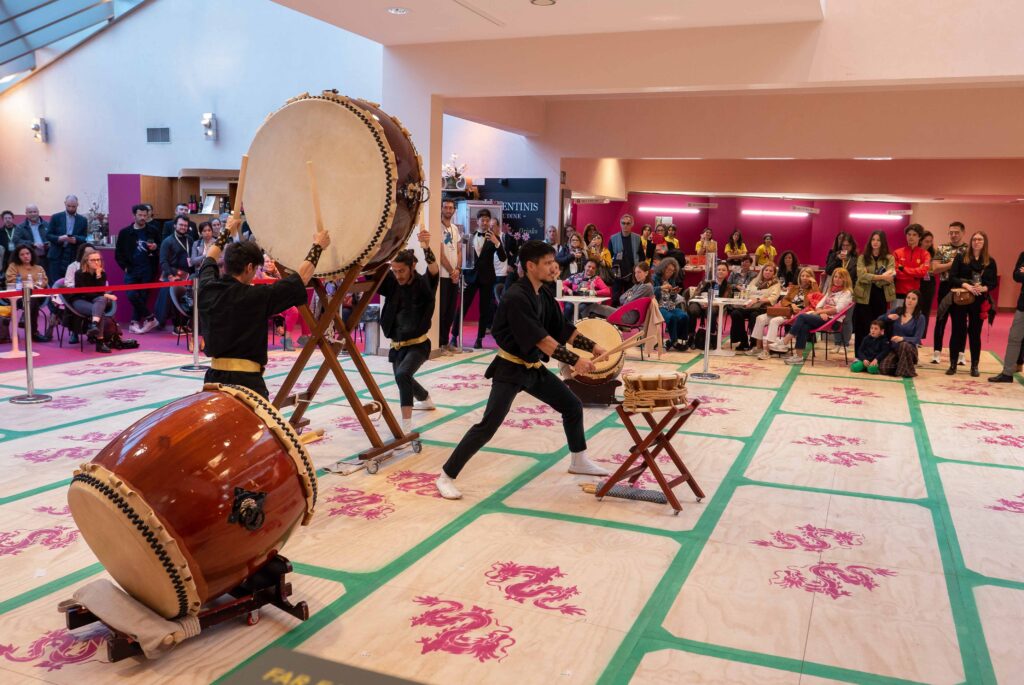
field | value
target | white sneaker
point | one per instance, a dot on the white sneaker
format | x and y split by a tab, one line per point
779	347
960	360
407	427
936	357
764	355
425	405
446	487
135	328
794	360
582	466
148	325
754	352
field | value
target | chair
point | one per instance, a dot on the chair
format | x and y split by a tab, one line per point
182	315
831	326
642	308
72	320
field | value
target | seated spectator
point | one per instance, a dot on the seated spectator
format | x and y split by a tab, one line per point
739	280
84	250
789	268
763	292
873	351
641	288
908	323
838	298
696	312
666	292
23	268
582	284
102	328
767	330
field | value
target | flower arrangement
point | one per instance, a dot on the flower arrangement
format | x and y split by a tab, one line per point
453	173
99	226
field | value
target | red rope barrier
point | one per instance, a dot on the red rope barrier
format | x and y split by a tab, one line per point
117	288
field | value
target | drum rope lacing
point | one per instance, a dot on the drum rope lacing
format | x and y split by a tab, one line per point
147	533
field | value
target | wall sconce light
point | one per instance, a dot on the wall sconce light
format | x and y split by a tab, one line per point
209	123
39	133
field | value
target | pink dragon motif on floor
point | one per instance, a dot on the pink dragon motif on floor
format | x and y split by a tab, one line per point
415	482
462	381
536	586
48	454
646	478
125	394
532	420
464	631
705	410
358	504
91	437
848	459
57	649
14	542
1009	505
990	426
828	578
829	440
66	403
349	423
811	539
846	395
102	368
1015	441
54	511
738	369
966	388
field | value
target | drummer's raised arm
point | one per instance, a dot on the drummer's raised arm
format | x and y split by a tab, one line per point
233	227
321	239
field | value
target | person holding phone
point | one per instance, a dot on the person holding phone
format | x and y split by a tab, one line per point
137	253
482	248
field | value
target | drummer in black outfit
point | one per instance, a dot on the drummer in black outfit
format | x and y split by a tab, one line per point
408	309
529	329
234	312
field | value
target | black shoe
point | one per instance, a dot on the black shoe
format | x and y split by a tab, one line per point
681	346
478	345
102	347
742	347
974	371
92	333
73	339
951	370
40	338
1001	378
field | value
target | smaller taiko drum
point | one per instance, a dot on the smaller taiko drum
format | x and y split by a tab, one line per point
195	498
608	337
653	392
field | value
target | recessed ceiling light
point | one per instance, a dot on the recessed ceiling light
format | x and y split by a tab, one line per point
543	3
8	78
398	11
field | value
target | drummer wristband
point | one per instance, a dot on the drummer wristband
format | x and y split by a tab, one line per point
561	354
314	254
223	239
582	342
428	254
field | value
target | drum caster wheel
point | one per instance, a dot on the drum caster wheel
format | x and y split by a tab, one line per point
372	466
699	500
675	512
417	446
252	618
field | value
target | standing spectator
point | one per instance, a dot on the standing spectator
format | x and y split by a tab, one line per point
907	330
946	255
33	231
136	254
646	251
912	262
765	252
707	244
8	230
670	237
666	291
589	231
181	210
483	247
843	254
600	254
1014	348
101	329
836	300
175	265
789	269
976	273
874	292
764	291
451	259
928	280
572	256
551	236
623	247
200	247
511	244
739	280
22	268
735	248
65	231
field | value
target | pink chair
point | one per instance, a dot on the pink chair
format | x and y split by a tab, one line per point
641	307
831	326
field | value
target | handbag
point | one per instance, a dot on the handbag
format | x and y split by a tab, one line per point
779	310
962	296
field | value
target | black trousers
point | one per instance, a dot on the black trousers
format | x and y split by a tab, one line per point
927	297
540	383
406	362
743	319
447	304
940	321
967	323
252	380
486	305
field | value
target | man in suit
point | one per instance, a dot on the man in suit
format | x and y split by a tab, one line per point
479	271
169	226
511	245
66	231
624	247
33	231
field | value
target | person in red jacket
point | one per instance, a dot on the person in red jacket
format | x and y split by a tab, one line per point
912	263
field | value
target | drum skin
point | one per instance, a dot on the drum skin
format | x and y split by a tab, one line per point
608	337
185	460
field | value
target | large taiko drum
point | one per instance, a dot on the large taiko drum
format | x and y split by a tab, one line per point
608	337
194	498
368	173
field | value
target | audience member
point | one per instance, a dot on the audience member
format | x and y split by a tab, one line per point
874	291
575	256
671	240
589	231
623	247
789	269
23	268
101	329
640	287
836	299
907	329
666	291
175	265
586	282
84	250
8	230
843	254
1014	349
739	280
33	231
136	254
912	262
646	251
181	210
707	244
450	258
946	255
200	247
696	311
66	229
976	274
768	329
551	236
481	251
763	292
765	252
602	255
873	350
928	281
735	248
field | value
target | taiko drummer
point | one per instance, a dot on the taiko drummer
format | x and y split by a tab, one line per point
234	312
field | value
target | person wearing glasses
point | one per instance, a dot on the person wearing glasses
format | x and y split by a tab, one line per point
94	305
623	247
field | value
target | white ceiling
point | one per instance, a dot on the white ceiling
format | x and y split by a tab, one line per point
437	21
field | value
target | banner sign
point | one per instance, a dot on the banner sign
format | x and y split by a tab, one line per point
522	201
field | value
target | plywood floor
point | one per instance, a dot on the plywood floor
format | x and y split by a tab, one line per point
855	530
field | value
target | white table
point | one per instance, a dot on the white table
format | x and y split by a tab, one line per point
722	303
14	352
578	300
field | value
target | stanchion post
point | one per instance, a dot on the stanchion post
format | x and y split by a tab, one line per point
195	365
711	278
30	396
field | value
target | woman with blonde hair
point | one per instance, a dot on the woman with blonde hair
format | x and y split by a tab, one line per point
763	292
767	329
838	298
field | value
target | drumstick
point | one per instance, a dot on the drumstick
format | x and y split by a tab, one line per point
311	436
316	197
236	211
625	345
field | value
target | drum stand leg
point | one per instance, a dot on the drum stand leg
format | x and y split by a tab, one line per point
266	587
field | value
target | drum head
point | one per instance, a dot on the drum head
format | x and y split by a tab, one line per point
356	178
605	335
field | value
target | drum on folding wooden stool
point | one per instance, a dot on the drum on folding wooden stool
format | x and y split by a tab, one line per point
369	175
608	337
194	498
653	392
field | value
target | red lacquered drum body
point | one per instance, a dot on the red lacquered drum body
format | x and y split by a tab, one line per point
194	498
